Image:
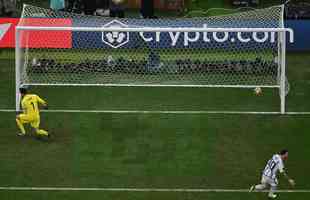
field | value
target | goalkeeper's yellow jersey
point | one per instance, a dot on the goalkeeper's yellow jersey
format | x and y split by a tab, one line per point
30	104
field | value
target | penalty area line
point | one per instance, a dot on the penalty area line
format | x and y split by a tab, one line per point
143	190
166	112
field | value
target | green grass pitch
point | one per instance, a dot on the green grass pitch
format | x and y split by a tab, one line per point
154	150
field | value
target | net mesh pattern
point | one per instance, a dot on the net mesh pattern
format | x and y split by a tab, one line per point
149	58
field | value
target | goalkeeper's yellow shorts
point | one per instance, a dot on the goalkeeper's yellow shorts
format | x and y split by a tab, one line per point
34	121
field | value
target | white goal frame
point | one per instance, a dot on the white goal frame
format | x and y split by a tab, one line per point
282	32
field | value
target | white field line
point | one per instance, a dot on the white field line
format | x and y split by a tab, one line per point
143	190
164	112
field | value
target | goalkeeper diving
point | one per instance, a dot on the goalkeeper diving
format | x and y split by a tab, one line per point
31	113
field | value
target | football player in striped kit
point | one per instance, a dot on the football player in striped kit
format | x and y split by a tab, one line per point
269	175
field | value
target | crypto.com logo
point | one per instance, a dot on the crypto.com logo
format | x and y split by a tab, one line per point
4	29
115	39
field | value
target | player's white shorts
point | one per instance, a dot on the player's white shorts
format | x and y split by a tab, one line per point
269	181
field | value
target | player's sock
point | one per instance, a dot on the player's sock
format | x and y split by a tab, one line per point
260	187
272	192
41	132
20	126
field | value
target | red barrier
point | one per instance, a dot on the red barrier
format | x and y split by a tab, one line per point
46	39
7	32
35	39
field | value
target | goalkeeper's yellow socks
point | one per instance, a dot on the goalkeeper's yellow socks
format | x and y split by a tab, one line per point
41	132
20	126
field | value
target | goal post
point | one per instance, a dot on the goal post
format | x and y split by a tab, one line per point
283	84
161	53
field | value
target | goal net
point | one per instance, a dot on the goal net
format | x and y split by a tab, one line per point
243	50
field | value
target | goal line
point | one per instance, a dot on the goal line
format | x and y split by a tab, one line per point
143	190
166	112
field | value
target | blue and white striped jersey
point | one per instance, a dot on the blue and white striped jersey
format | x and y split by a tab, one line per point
274	165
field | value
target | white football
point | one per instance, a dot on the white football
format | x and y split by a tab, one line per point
258	91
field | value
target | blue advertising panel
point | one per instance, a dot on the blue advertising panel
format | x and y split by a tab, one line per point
301	35
171	39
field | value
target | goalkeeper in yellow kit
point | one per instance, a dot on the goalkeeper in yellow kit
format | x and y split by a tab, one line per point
31	113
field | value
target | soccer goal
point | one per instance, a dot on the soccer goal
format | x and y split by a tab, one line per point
243	50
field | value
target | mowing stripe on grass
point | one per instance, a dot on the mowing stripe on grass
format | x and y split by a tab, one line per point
142	190
165	112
